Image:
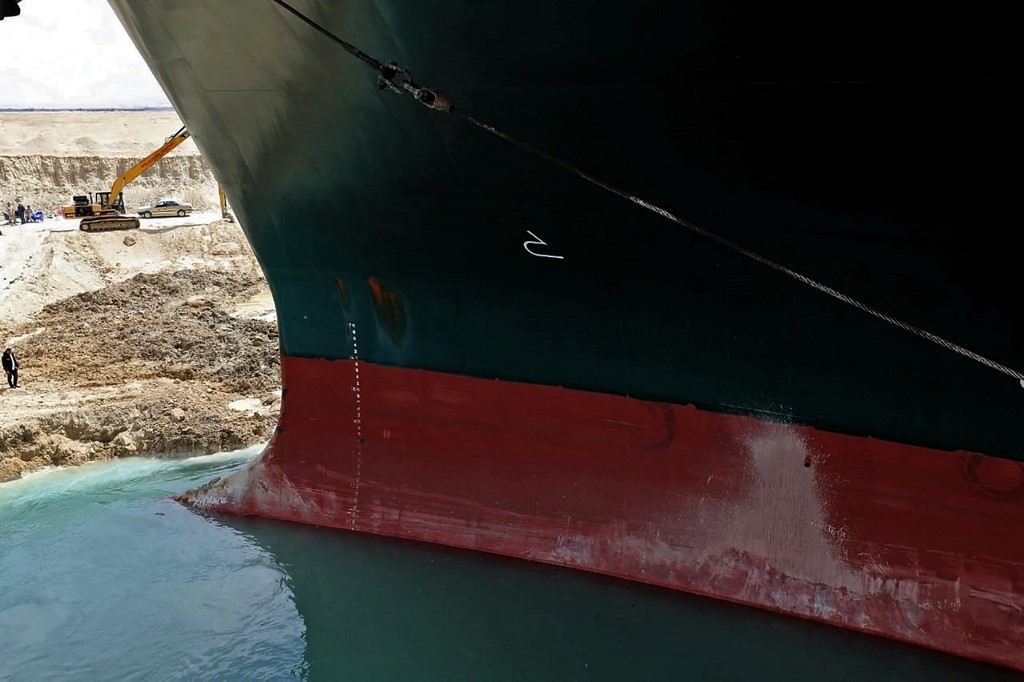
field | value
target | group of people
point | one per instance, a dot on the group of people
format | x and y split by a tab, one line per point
21	214
11	368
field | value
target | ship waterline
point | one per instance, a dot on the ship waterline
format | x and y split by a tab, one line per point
790	518
481	350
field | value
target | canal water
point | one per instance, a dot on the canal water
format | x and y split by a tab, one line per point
103	577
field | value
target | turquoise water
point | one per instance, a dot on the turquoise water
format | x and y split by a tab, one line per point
103	578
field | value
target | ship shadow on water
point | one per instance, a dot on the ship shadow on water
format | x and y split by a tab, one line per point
381	609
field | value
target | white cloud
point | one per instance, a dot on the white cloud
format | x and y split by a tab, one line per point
71	54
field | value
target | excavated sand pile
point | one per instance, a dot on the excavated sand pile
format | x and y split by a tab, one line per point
160	341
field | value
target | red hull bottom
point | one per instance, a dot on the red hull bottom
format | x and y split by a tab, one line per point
914	544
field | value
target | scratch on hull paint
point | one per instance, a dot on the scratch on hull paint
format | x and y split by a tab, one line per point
727	509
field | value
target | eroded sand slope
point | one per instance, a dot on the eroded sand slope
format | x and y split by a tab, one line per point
158	341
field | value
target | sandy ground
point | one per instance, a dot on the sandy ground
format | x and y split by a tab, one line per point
89	133
157	341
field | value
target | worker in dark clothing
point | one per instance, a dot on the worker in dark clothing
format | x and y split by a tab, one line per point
11	367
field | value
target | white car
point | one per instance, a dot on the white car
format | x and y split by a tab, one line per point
166	207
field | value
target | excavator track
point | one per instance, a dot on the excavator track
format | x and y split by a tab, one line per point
109	223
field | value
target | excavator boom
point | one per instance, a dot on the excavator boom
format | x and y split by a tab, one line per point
144	165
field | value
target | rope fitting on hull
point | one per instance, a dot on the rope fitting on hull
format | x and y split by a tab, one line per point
394	77
398	79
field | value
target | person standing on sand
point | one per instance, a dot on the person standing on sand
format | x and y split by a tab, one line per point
11	367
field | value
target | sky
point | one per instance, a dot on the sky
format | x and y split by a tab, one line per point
72	54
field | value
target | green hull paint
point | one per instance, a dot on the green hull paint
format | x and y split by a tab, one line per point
865	150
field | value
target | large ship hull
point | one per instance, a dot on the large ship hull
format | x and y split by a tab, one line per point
482	350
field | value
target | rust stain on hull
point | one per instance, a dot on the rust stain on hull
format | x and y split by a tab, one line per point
345	294
390	311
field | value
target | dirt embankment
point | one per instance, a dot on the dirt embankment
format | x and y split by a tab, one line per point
176	362
49	182
47	157
158	341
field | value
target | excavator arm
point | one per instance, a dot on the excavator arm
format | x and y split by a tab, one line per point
224	212
144	165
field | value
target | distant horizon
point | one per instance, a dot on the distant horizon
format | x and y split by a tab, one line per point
29	110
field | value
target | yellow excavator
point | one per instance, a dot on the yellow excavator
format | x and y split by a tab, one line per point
106	211
224	212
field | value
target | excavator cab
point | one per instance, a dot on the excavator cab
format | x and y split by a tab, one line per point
103	199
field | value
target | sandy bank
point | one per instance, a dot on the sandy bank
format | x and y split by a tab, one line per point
169	347
158	341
